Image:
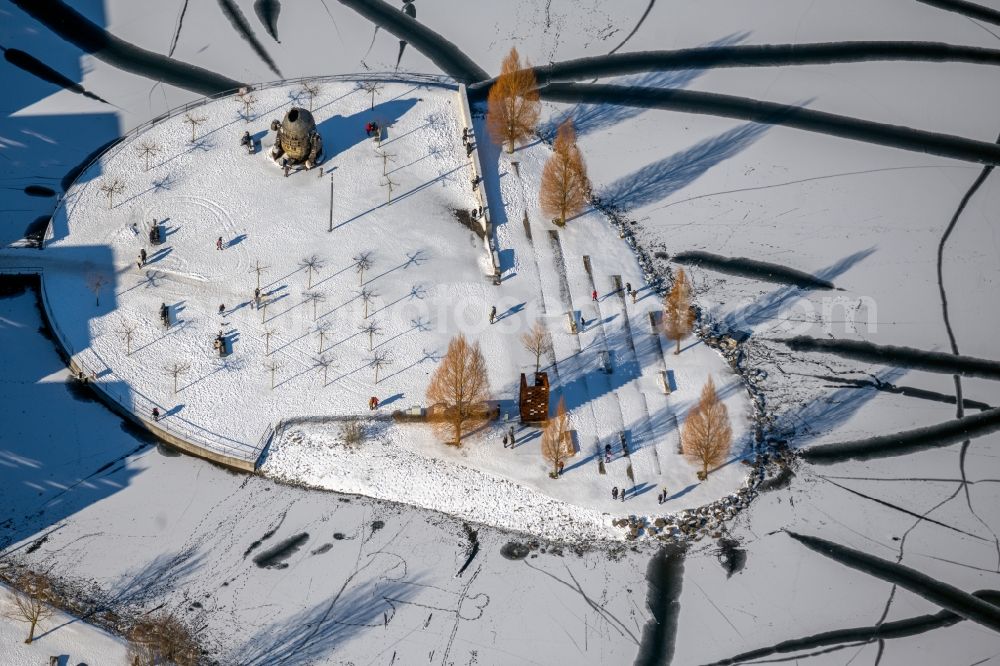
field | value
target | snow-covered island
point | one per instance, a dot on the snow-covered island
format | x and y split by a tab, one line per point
349	272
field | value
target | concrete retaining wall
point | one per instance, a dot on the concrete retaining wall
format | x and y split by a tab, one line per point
465	117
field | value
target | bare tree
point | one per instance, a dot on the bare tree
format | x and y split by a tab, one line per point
513	103
312	90
325	362
312	264
554	438
372	329
367	297
246	99
363	262
147	149
386	158
110	188
353	432
389	183
565	188
459	389
272	365
706	436
322	329
32	592
193	121
162	639
95	283
371	87
538	342
126	331
176	369
258	269
379	360
678	315
268	332
315	298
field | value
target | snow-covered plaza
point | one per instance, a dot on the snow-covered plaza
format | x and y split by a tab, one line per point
321	322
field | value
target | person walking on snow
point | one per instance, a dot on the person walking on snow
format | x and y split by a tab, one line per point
634	295
222	308
372	403
218	243
156	414
256	298
505	441
628	287
614	493
493	314
593	295
510	431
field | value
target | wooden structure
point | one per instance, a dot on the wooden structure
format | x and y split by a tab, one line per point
533	401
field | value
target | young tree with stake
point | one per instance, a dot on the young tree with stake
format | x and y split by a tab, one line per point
379	360
565	189
268	332
460	389
362	263
554	438
175	370
147	149
538	342
325	362
32	592
311	89
95	283
322	329
315	298
707	435
312	264
258	269
371	87
110	188
193	121
367	297
246	99
678	315
272	365
372	329
388	183
513	105
126	331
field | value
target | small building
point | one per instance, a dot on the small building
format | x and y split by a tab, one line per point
533	401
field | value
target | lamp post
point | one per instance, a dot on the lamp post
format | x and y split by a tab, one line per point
331	204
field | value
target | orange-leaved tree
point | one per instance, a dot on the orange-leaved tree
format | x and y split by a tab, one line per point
707	435
678	315
513	107
565	187
459	389
554	438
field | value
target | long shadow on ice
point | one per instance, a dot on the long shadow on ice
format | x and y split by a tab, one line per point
657	181
50	468
589	118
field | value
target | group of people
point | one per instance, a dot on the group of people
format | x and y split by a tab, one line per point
509	437
661	497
